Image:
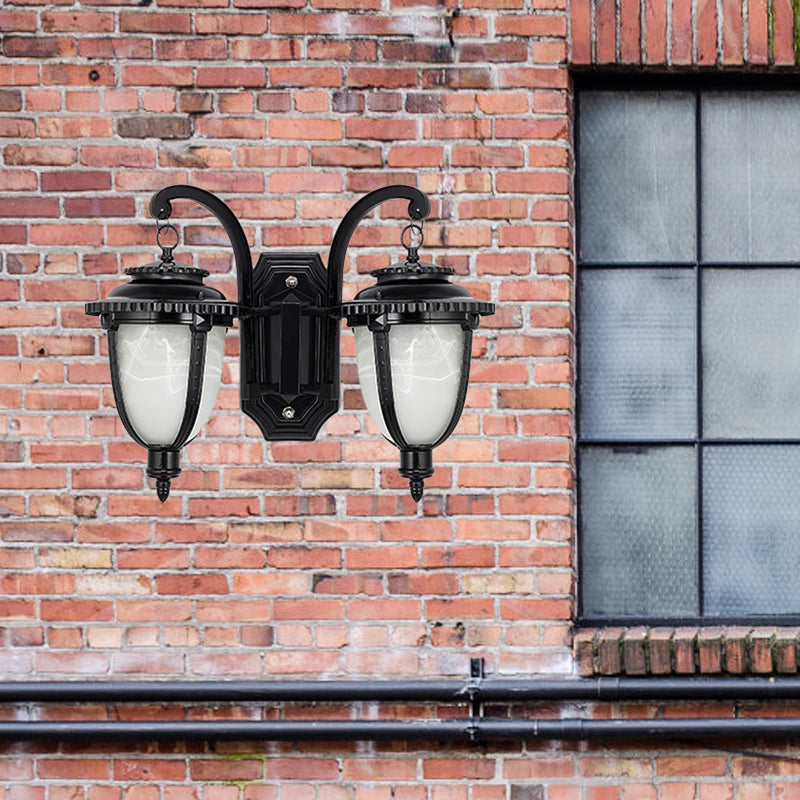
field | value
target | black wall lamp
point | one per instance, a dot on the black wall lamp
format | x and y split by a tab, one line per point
166	332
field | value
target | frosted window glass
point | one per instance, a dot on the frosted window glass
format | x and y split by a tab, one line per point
751	353
637	354
426	375
751	180
636	176
751	546
638	532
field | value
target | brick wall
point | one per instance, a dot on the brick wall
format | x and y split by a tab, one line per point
284	558
302	560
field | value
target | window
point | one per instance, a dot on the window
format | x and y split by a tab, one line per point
688	353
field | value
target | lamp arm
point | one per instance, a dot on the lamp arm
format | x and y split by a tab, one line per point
419	208
161	208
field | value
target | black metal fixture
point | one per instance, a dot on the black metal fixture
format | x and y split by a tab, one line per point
166	331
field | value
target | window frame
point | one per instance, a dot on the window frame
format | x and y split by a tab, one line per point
598	81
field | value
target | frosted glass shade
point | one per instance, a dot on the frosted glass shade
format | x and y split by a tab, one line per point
153	364
426	374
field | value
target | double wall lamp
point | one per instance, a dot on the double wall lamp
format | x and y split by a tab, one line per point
166	333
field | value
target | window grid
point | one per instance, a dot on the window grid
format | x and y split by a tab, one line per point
699	442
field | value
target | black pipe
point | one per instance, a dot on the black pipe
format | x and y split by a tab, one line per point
465	730
611	689
231	691
606	689
475	690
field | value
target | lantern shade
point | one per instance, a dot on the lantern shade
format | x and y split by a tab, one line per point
426	362
153	361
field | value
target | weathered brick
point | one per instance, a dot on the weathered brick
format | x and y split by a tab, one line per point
163	127
681	32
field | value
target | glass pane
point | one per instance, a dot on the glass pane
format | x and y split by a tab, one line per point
751	516
637	354
750	179
425	361
636	176
638	532
751	353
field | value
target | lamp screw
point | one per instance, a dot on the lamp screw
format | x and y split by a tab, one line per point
291	282
288	412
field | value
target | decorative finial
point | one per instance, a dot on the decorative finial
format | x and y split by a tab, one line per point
162	489
417	487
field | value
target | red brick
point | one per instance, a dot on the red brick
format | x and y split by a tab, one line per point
757	26
18	21
77	75
83	769
707	32
605	32
681	32
709	650
226	770
158	75
230	77
192	584
677	766
761	641
458	769
305	129
655	32
732	31
148	22
85	21
535	609
381	129
38	47
736	650
786	651
783	24
630	32
238	24
77	610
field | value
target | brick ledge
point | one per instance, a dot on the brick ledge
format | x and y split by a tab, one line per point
734	650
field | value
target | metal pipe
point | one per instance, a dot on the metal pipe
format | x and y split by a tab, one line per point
465	730
231	691
475	690
607	689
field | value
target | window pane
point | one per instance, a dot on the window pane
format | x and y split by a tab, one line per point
751	353
751	183
637	354
751	546
636	177
638	531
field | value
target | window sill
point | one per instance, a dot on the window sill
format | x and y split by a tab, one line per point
731	650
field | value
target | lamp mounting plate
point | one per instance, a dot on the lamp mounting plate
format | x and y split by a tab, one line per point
287	384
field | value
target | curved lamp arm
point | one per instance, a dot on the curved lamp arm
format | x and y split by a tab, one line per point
161	208
419	208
